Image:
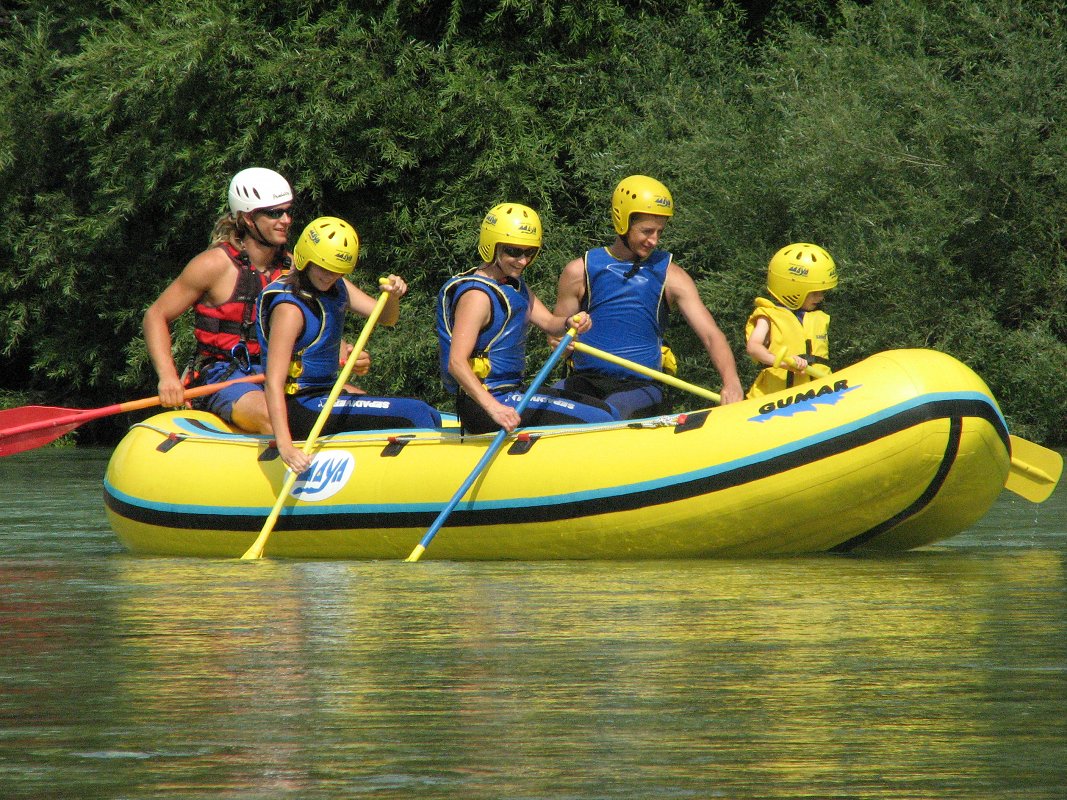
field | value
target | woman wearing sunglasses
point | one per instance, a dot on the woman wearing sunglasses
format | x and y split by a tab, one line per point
483	316
248	250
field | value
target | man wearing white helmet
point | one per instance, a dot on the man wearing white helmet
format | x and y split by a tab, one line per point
628	288
248	250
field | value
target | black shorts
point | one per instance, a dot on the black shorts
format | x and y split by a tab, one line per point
358	412
632	398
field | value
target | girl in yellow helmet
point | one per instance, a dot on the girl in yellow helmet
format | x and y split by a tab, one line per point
791	332
299	326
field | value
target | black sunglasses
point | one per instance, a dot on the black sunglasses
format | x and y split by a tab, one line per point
518	252
276	213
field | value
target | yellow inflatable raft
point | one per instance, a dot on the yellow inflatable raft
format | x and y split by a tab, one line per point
902	449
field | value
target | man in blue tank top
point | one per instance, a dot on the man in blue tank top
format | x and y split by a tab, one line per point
628	289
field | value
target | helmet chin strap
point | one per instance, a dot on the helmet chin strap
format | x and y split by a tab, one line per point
304	288
494	270
637	260
253	230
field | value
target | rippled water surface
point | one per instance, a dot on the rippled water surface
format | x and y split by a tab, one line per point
941	673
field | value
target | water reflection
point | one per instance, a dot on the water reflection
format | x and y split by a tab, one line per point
589	680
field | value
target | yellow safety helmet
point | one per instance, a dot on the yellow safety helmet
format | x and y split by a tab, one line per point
798	269
639	194
331	243
509	223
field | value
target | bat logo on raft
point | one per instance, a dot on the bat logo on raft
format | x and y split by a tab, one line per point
806	400
327	475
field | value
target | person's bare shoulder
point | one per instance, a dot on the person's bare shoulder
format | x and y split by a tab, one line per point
575	266
679	283
207	270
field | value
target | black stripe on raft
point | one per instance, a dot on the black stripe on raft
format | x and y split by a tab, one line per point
385	520
952	449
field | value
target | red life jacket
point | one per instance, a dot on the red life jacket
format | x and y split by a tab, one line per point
219	329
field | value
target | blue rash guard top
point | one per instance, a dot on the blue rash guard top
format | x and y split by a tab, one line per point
629	311
502	342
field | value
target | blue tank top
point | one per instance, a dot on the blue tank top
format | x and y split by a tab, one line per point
502	341
317	349
629	311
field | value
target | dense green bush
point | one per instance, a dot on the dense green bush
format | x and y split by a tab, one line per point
920	145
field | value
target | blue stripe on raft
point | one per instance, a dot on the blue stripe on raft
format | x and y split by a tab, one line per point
209	430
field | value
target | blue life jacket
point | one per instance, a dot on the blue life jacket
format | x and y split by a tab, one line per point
317	349
502	342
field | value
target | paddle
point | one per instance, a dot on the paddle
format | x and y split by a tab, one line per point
256	550
1035	470
28	427
498	440
816	371
655	374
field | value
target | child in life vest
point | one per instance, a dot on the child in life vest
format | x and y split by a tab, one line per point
789	334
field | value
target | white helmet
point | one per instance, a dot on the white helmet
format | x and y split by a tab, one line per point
257	187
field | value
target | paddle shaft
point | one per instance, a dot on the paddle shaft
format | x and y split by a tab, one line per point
256	550
816	371
655	374
50	423
491	451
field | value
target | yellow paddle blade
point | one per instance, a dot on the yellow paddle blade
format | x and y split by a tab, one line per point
256	550
1035	470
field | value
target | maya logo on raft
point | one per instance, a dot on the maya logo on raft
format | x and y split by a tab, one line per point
807	400
327	475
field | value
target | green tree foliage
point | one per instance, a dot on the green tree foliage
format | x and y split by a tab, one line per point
919	144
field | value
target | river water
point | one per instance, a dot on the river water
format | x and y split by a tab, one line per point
941	673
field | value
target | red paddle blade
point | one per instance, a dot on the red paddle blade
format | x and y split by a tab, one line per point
28	440
28	427
25	415
33	426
